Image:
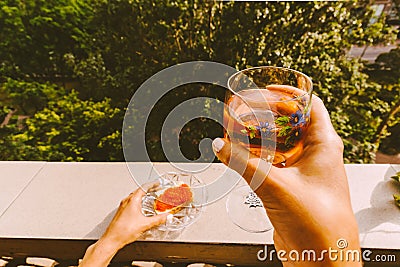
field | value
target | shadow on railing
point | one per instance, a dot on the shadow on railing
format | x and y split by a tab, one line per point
382	206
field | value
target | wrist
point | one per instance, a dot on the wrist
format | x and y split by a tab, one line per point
100	253
107	245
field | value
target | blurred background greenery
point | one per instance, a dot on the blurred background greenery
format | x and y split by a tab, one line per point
68	69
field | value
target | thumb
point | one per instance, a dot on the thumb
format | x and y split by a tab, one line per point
158	219
253	169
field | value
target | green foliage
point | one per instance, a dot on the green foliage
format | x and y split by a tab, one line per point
36	34
59	132
105	50
396	197
396	177
391	144
386	68
29	97
386	71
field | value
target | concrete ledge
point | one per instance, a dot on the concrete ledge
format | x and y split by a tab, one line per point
58	209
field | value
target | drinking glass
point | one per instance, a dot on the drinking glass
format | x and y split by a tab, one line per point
267	110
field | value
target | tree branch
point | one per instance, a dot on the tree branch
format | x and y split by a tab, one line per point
384	124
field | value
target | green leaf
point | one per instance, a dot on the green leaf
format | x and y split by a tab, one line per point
282	121
252	134
397	199
284	131
252	128
396	177
289	141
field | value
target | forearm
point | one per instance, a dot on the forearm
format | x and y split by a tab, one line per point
99	254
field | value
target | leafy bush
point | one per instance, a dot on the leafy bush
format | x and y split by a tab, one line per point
105	49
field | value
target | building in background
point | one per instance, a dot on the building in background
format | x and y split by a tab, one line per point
391	8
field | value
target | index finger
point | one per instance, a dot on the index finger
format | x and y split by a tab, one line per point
320	115
320	129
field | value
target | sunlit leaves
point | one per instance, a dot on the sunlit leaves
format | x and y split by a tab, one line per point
105	50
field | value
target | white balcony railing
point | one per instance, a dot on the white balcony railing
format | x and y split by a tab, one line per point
68	205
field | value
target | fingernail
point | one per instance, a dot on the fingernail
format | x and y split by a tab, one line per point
170	217
218	144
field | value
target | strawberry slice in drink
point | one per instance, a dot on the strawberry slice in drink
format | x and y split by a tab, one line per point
173	199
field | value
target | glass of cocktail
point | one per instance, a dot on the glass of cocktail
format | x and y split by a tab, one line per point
267	110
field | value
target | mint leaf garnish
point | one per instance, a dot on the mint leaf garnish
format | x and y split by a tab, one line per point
250	130
284	131
282	121
289	141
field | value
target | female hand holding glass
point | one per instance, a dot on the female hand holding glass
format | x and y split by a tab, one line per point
267	111
308	201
